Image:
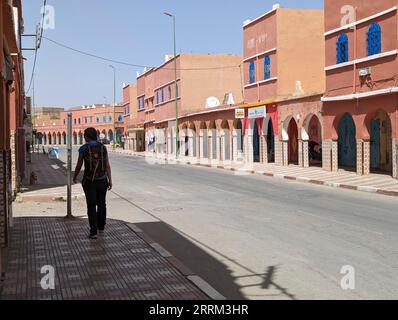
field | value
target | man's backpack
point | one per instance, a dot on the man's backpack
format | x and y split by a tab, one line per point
95	162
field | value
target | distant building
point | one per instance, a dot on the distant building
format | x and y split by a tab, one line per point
51	123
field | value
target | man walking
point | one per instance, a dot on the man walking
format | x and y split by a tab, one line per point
97	180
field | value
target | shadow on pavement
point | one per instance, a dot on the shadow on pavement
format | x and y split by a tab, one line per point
206	266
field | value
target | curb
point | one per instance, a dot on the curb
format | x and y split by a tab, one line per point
46	198
196	280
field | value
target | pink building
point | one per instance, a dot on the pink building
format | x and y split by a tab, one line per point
360	103
133	126
52	126
207	87
283	75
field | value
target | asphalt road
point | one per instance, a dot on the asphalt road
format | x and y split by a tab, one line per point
262	238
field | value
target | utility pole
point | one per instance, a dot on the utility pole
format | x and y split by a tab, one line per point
114	107
175	83
69	177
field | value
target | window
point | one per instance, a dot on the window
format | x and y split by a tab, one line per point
85	119
64	121
97	120
104	119
78	120
252	70
110	118
74	121
157	97
374	39
267	68
169	92
139	104
120	118
162	95
342	49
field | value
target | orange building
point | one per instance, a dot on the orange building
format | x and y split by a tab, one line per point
12	115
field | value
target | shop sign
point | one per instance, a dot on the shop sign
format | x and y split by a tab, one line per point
239	113
255	113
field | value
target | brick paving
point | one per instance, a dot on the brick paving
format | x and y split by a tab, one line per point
118	266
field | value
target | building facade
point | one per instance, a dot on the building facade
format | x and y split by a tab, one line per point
360	102
133	128
207	88
51	124
283	62
12	115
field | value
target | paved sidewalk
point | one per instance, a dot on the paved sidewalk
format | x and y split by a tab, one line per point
121	264
51	181
374	183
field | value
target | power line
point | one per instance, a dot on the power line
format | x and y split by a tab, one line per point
127	63
41	36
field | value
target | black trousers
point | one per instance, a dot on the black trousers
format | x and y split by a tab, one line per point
95	192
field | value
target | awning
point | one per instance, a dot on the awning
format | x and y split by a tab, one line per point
258	104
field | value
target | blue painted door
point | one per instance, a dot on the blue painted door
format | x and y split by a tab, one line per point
375	143
347	142
256	143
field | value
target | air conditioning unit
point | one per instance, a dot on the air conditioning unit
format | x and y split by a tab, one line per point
364	72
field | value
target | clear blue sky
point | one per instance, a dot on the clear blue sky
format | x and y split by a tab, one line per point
134	31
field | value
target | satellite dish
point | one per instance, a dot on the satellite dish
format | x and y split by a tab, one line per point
212	102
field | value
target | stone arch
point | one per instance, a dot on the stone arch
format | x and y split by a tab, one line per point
269	133
379	126
74	138
64	140
347	144
226	141
80	137
290	133
204	140
194	139
59	138
213	140
312	137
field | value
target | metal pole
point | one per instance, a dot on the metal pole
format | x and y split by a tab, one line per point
114	107
176	89
69	177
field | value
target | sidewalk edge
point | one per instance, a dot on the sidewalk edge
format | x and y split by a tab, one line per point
195	279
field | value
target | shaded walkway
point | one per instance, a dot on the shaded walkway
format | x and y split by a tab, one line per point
120	265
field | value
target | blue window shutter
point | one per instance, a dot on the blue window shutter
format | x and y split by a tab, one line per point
374	39
342	49
267	68
252	70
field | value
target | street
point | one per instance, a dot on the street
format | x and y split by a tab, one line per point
254	237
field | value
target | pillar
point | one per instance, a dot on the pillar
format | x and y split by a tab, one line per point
394	152
234	148
263	149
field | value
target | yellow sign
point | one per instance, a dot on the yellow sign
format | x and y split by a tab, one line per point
240	113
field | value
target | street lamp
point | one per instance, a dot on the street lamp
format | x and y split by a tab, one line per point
175	82
114	106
